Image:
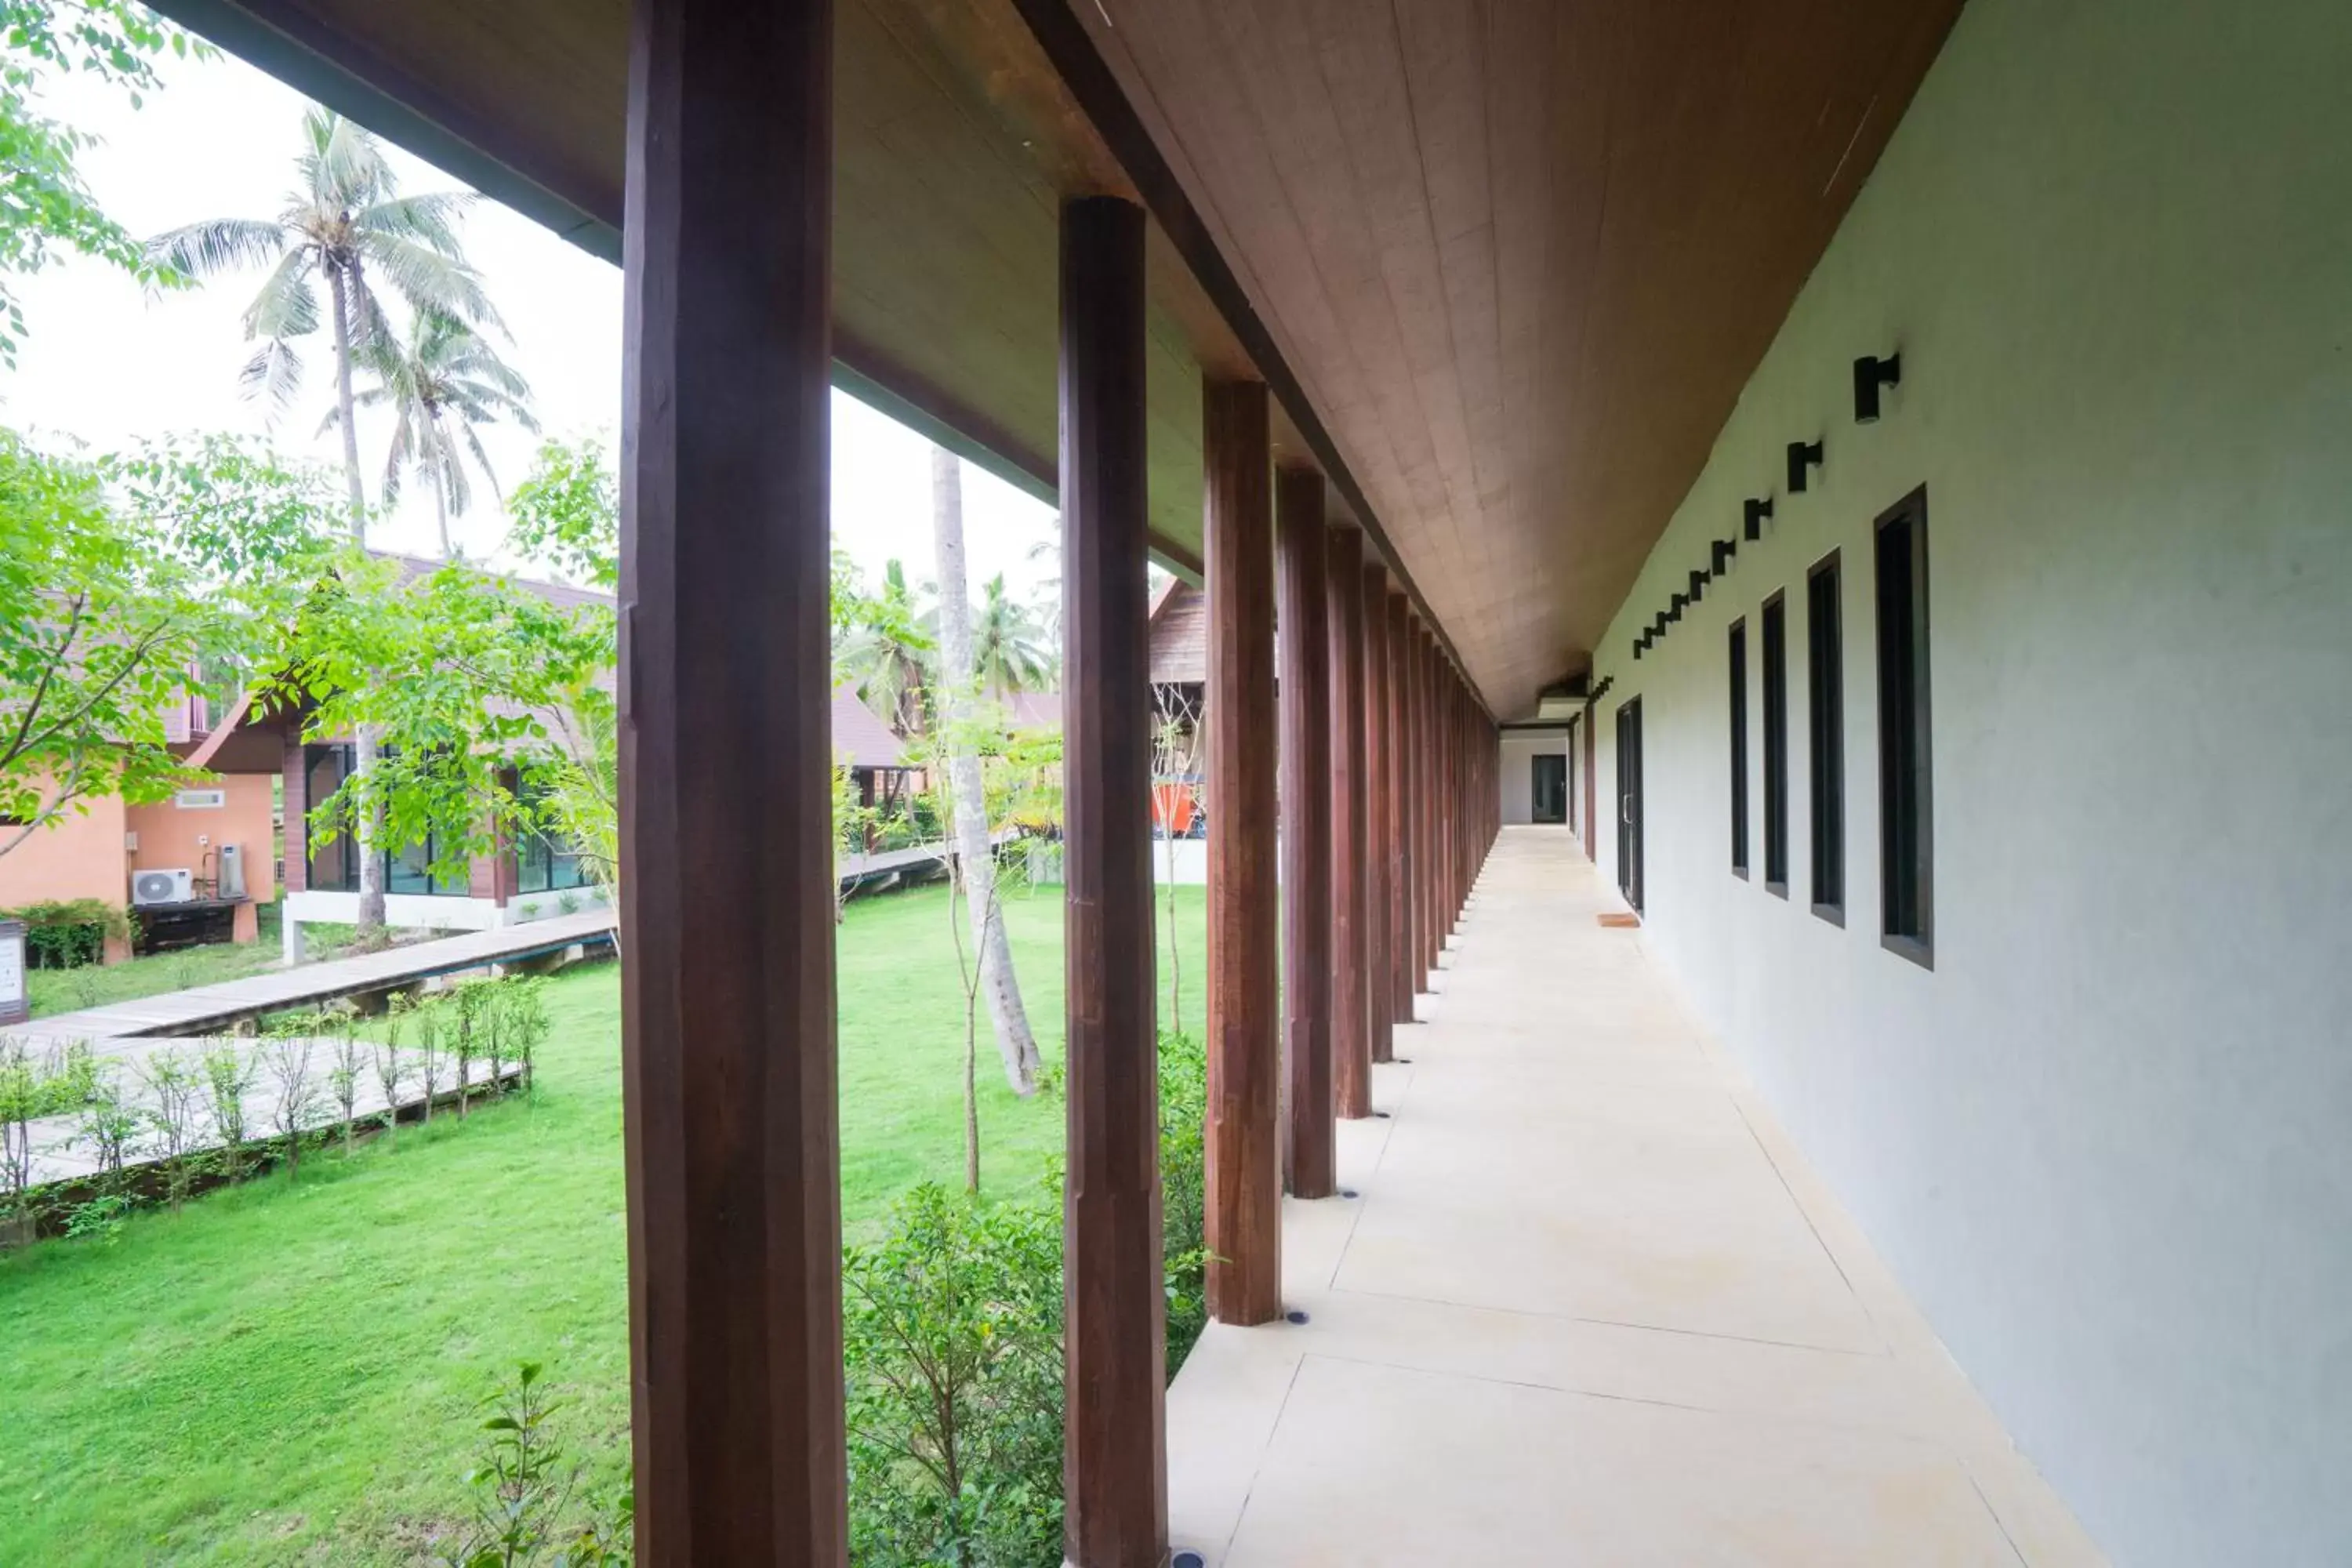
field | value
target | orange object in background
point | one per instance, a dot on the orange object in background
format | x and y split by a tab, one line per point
1174	804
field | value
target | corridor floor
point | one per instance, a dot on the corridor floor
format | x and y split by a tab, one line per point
1587	1306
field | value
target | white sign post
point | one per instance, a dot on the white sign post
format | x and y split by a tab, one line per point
16	1002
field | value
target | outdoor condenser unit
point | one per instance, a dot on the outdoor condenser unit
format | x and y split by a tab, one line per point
232	872
148	887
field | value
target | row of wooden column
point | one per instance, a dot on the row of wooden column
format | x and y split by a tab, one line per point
727	996
1324	682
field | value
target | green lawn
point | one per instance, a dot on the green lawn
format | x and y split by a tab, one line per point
55	991
288	1374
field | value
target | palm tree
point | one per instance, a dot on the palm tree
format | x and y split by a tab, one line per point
441	385
886	655
1010	652
344	220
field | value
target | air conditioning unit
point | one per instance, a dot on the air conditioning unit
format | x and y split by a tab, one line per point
162	887
232	872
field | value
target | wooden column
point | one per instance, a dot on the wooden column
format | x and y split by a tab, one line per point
727	1071
1245	1130
1403	988
1299	550
1114	1429
1352	1021
1380	865
1425	898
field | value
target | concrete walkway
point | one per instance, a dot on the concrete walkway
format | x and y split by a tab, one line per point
1590	1306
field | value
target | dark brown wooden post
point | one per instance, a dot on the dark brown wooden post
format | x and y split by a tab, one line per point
732	1140
1114	1424
1403	988
1299	551
1424	900
1432	757
1351	1023
1245	1130
1380	865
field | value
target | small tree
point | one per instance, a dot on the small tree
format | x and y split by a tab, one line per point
228	1075
391	1067
952	1337
528	1026
20	1090
107	1125
174	1084
296	1103
343	1075
431	1031
1173	774
466	1036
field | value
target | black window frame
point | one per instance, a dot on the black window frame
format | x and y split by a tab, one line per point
1826	736
542	853
1736	657
1774	646
401	872
1906	821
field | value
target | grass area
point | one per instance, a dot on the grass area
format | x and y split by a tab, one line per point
54	991
289	1373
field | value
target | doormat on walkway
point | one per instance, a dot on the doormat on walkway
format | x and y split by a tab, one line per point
1617	921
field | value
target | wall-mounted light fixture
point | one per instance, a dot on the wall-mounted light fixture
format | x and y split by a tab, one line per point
1723	550
1870	374
1657	625
1756	511
1641	645
1802	455
1697	587
1674	607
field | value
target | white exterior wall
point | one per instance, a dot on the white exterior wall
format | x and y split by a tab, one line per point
1517	771
2106	1143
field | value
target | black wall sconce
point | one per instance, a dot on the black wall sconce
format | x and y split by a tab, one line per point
1641	645
1757	512
1674	607
1723	550
1657	625
1869	375
1802	455
1697	587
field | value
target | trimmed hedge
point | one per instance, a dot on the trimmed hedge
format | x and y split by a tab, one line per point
66	933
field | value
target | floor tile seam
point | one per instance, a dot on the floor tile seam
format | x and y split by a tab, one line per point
1928	1441
1703	1335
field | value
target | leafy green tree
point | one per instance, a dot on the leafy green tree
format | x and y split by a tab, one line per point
1011	650
440	385
344	224
885	654
464	675
962	725
44	204
566	514
119	605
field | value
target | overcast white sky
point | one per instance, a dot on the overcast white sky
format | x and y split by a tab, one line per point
107	363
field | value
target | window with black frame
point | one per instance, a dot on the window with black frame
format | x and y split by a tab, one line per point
335	868
545	860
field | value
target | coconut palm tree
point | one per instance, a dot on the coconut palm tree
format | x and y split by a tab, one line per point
1009	650
345	224
886	656
440	385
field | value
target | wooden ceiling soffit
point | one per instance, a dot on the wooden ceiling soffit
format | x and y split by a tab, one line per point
1072	50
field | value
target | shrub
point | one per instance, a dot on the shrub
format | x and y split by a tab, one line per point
952	1334
1183	1189
66	933
528	1502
